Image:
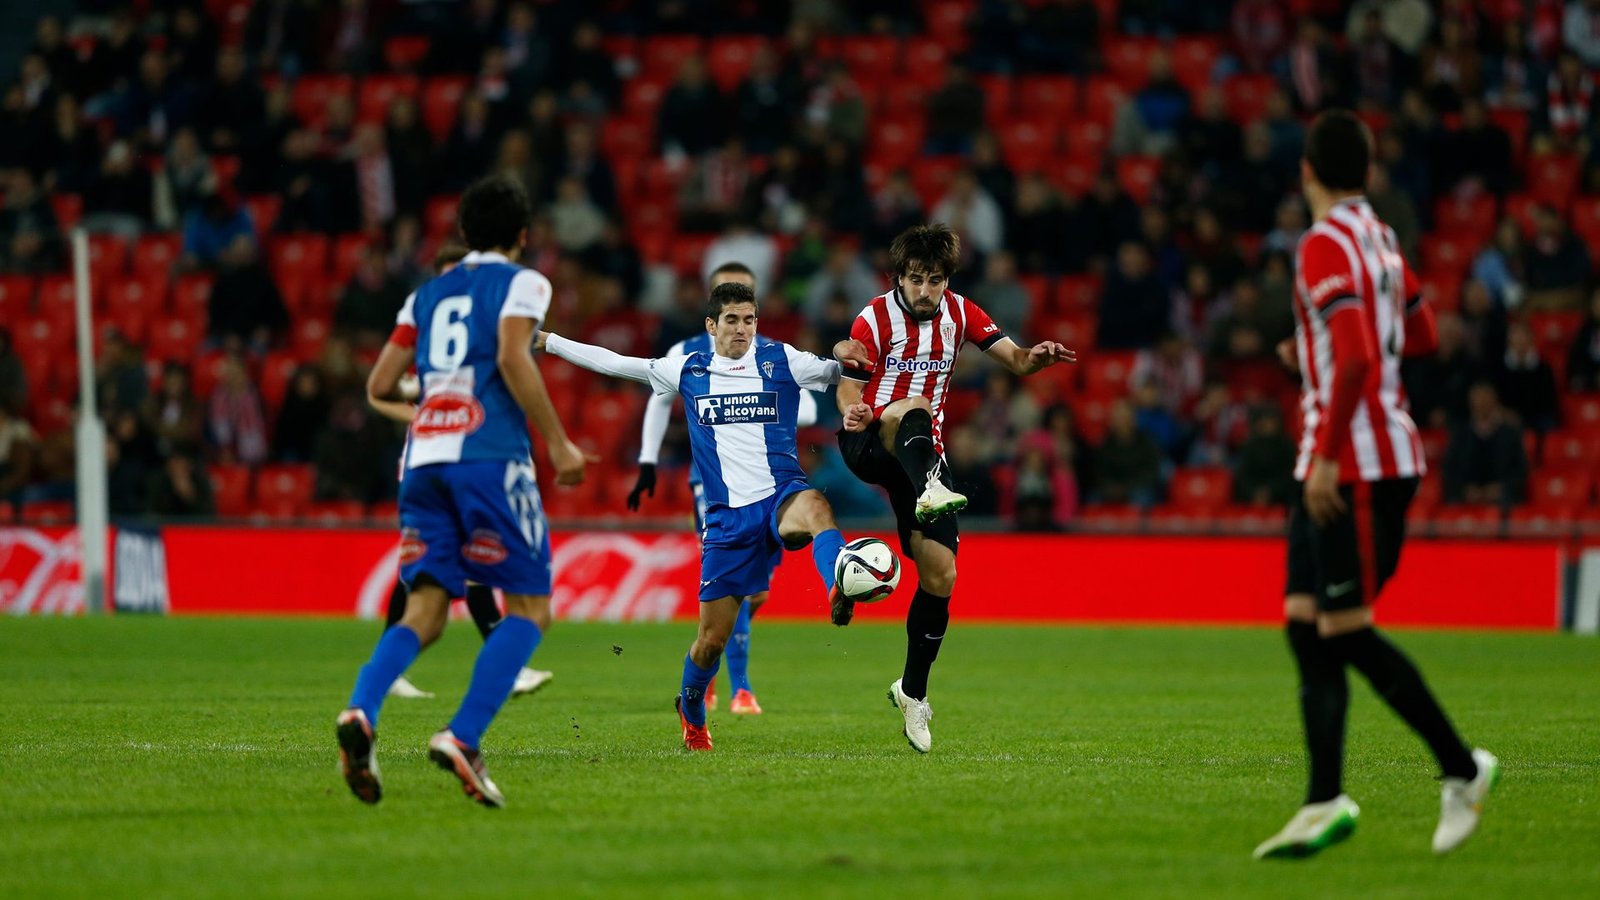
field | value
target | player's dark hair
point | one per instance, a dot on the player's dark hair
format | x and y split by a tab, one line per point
935	247
1339	149
732	268
448	254
493	213
727	294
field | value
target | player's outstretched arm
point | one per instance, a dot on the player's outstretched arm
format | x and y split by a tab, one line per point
857	415
383	382
1026	361
515	362
854	354
595	359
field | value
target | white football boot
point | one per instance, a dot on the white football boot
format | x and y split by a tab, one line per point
936	499
404	689
1315	827
1461	803
530	680
917	713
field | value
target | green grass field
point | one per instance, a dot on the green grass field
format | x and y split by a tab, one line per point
192	757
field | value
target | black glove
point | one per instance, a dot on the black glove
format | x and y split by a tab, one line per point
646	482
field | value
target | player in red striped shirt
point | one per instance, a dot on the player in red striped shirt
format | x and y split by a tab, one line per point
903	347
1357	312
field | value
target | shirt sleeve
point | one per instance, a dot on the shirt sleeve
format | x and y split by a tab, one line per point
1324	269
861	330
657	415
811	371
528	296
806	415
660	374
405	324
981	329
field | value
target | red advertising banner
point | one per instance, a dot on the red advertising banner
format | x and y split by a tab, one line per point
654	577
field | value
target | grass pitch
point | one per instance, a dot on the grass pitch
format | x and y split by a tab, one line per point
193	757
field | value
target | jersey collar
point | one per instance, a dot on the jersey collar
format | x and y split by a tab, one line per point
477	256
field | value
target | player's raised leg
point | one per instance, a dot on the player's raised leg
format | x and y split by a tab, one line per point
806	516
907	433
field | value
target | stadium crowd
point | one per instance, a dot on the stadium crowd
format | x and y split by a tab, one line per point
265	182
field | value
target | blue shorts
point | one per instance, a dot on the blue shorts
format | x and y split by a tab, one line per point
480	521
739	548
700	509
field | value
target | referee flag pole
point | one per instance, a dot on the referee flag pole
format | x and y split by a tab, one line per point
92	516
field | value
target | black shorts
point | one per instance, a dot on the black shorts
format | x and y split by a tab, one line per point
1345	564
867	459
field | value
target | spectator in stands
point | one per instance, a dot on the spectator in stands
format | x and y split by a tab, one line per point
211	229
115	60
842	189
279	35
405	257
29	238
1263	474
1055	37
1114	218
131	459
1393	207
1039	489
1006	413
1002	296
1260	31
844	272
303	417
993	174
765	104
1045	235
155	106
472	143
1556	263
1149	125
185	179
121	376
174	415
1196	301
954	112
1583	360
182	489
344	451
1174	369
262	142
1480	151
1568	104
529	51
1156	420
1135	308
411	157
50	44
231	105
777	197
740	242
1485	461
577	221
1437	385
369	176
1406	22
1127	464
13	374
1525	383
245	306
584	60
235	424
119	199
18	453
1252	185
1221	423
578	156
1247	328
1483	323
1451	68
714	192
971	473
1580	31
368	306
1209	137
896	207
1378	64
1213	245
837	319
1513	76
67	154
1311	68
836	108
614	256
191	45
692	117
39	90
973	214
1288	224
1499	266
850	497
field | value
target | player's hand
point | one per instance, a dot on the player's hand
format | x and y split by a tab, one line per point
857	416
539	340
853	354
569	460
1322	491
1287	355
409	387
1048	353
645	484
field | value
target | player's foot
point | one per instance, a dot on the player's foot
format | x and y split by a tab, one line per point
695	737
841	609
1461	803
404	689
358	762
530	680
1315	827
711	696
917	713
938	500
466	764
744	704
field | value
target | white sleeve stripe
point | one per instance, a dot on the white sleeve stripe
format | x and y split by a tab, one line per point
408	313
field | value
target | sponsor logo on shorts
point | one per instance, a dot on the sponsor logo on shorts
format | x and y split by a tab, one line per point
446	414
485	548
412	547
759	408
897	364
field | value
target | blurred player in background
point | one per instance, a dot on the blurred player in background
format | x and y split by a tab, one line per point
745	399
1357	312
469	504
481	604
657	413
899	357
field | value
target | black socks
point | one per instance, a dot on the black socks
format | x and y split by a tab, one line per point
926	622
485	612
1400	685
913	446
1324	700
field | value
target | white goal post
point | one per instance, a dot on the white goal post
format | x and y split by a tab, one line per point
91	440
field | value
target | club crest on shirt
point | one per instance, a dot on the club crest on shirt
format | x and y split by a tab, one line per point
697	371
766	368
948	330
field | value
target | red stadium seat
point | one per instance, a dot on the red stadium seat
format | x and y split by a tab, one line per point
48	512
38	334
155	255
946	22
298	258
872	59
284	491
664	54
1442	290
1194	59
276	371
1128	60
931	177
231	487
405	52
336	512
191	295
1520	207
1553	179
58	297
1470	218
1581	412
1200	489
263	210
309	336
688	252
1078	293
347	252
925	63
1571	449
439	215
642	95
728	59
385	513
378	91
1029	144
1468	521
108	259
1092	414
1171	519
16	297
896	142
132	305
1075	332
310	95
1541	522
1448	254
1560	490
1109	518
1137	175
441	94
1074	175
1247	96
1102	97
1106	374
68	209
1251	520
998	96
627	137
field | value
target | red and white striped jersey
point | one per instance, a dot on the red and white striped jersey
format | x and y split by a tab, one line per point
916	358
1351	260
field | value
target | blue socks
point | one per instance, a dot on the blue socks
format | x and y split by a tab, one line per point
738	650
503	655
695	681
396	651
825	549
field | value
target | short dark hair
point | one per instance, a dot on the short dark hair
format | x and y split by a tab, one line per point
727	294
732	267
935	246
448	254
493	213
1339	149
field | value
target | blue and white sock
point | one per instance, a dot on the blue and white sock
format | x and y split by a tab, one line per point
738	651
503	655
695	682
825	549
396	651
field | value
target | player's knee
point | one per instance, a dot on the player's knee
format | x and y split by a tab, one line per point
1333	623
710	645
939	577
756	601
529	606
1300	608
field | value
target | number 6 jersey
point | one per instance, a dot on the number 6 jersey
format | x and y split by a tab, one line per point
466	411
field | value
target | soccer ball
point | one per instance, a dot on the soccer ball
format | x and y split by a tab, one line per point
867	570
